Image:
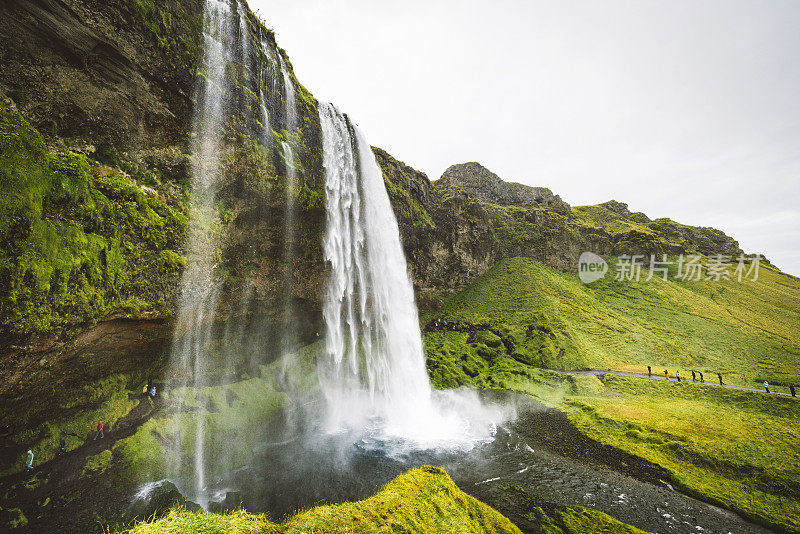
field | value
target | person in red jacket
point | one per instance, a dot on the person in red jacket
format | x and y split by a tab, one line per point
99	430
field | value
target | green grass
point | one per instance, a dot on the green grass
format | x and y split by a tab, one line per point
421	500
735	448
79	239
578	520
748	331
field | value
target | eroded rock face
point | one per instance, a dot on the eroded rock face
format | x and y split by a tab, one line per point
478	182
456	228
94	72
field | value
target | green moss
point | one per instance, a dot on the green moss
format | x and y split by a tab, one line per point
578	520
422	500
76	419
232	415
735	448
174	28
12	518
78	239
97	464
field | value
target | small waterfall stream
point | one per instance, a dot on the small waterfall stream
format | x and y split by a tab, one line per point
289	330
199	288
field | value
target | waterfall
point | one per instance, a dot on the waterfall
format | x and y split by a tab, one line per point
191	363
374	367
289	331
373	373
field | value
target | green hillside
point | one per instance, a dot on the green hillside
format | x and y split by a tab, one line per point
733	448
749	331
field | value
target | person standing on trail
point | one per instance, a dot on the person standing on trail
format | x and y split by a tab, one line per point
720	379
29	461
701	376
649	371
766	386
678	375
153	392
99	430
62	445
791	390
666	374
693	377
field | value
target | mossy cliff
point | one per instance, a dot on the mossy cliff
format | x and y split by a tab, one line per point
96	107
80	239
456	228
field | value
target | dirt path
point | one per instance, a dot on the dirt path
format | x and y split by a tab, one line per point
52	488
654	376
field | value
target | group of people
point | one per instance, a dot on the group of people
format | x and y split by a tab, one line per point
441	324
148	390
702	379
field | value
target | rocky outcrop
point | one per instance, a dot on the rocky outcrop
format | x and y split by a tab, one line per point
113	75
478	182
470	219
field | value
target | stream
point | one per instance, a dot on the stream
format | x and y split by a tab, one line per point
539	452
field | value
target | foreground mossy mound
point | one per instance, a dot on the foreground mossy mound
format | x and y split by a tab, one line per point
421	500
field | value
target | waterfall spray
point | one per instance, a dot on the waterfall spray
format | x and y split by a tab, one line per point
373	374
190	354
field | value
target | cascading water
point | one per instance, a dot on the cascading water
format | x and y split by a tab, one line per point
200	288
288	333
373	375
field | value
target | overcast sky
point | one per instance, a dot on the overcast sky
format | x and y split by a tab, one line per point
682	109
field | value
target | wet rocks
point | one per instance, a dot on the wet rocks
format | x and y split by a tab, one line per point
156	498
231	501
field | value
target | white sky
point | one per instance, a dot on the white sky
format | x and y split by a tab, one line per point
683	109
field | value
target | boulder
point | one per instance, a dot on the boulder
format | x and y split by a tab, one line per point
231	501
156	498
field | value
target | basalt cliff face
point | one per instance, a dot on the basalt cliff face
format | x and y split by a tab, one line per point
95	135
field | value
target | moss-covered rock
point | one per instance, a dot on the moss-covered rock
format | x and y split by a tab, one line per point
423	500
80	240
12	518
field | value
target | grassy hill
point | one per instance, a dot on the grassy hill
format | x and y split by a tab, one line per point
733	448
749	331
